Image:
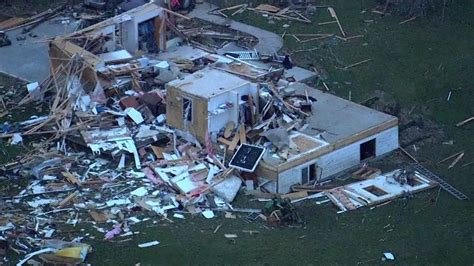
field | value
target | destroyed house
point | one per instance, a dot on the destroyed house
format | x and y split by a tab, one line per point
339	135
305	135
114	40
206	101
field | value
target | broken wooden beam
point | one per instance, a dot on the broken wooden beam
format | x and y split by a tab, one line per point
68	199
458	158
408	154
356	64
462	123
334	15
176	14
450	157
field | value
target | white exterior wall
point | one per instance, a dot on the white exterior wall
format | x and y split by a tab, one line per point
217	122
340	159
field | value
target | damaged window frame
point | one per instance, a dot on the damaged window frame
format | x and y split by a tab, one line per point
187	108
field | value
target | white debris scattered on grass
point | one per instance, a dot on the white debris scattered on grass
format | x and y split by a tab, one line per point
149	244
208	214
388	256
139	192
41	202
178	215
115	202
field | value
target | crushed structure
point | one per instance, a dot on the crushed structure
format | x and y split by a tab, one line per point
143	119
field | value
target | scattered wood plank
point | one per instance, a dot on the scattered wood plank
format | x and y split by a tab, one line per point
366	173
315	39
325	86
176	14
467	164
450	157
327	22
228	129
350	37
234	142
242	9
268	8
409	155
295	195
68	199
334	15
224	141
408	20
71	178
462	123
242	135
356	64
456	160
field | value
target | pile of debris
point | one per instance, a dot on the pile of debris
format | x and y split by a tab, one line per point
266	10
211	36
135	138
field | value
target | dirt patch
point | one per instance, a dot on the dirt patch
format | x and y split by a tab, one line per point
415	128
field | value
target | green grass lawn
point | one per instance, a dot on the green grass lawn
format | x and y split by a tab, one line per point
418	63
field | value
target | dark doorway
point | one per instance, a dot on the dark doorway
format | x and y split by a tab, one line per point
308	174
146	37
313	172
367	150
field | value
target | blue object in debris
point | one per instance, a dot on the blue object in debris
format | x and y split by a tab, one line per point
6	127
100	109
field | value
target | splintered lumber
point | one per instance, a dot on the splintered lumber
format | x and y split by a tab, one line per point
327	22
350	37
221	177
408	154
224	141
408	20
317	38
334	15
456	160
242	135
176	14
71	178
230	8
366	173
268	8
299	18
228	129
325	86
295	195
242	9
462	123
287	105
356	64
68	199
234	142
296	38
450	157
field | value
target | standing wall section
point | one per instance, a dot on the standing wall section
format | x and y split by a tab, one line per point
340	159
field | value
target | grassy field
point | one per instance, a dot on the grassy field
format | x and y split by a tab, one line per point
25	8
418	63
